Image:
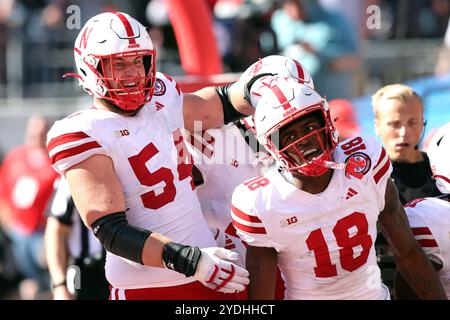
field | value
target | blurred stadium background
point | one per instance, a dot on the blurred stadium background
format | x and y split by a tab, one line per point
409	46
36	50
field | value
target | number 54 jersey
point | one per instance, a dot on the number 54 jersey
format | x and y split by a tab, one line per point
325	242
153	166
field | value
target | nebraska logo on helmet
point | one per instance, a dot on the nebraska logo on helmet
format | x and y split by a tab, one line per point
280	66
106	41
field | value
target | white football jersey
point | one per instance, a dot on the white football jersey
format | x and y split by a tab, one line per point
429	219
325	242
146	150
225	160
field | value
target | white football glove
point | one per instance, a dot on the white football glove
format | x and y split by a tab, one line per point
234	244
216	271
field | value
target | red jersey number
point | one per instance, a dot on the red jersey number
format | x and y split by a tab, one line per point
147	178
257	183
163	175
316	242
353	145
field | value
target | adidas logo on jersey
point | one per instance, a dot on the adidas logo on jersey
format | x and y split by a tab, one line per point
121	133
288	221
159	106
351	193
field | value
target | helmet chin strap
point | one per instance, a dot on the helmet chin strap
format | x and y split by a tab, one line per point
330	164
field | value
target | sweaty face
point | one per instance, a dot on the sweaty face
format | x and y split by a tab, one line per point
124	72
399	125
305	145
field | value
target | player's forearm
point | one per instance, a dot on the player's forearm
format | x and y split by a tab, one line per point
56	252
152	252
262	268
237	99
420	274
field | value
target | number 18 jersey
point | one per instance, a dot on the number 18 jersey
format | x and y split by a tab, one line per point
325	242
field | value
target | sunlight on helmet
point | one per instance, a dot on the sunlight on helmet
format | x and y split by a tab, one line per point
115	60
292	116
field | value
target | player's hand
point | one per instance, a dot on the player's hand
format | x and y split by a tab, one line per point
62	293
229	242
216	270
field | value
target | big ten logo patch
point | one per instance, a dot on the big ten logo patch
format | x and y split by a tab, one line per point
121	133
288	221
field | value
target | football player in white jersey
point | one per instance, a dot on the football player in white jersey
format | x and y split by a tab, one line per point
223	157
129	171
315	213
429	218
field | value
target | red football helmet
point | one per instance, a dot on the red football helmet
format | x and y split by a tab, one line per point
283	101
108	36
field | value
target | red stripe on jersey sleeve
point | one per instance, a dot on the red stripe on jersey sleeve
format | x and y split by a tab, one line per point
427	243
244	216
66	138
382	156
74	151
377	177
421	231
249	229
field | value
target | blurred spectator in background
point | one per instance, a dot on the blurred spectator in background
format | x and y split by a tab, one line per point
27	185
399	122
443	65
323	41
6	7
433	18
344	117
354	10
414	19
68	242
243	31
8	271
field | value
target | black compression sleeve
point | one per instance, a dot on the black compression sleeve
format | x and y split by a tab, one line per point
249	84
230	114
120	238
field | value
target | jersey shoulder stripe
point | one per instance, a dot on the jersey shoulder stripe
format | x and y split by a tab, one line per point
382	166
424	237
69	145
246	222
